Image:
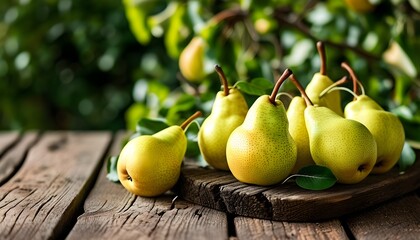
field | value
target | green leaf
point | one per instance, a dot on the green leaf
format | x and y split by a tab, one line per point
137	18
173	37
257	87
148	126
111	168
407	159
315	177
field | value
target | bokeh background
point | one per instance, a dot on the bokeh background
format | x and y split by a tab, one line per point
76	64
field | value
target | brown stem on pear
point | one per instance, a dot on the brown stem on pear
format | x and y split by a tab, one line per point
279	82
323	57
190	119
335	84
301	90
223	79
352	75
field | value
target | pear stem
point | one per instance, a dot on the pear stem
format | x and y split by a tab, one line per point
279	82
353	76
337	83
223	79
284	94
301	90
335	88
321	51
190	119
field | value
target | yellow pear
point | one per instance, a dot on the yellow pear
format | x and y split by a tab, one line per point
261	151
297	129
385	127
344	146
321	81
228	112
191	60
361	6
150	165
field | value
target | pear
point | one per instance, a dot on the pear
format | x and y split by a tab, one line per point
228	112
150	165
261	150
385	127
191	60
344	146
297	129
321	81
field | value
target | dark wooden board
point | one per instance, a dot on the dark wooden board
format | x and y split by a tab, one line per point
111	212
41	200
288	202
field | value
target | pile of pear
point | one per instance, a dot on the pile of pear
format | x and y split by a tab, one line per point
271	143
265	143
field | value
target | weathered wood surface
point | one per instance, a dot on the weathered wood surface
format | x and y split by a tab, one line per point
58	190
111	212
42	198
253	228
399	219
12	160
288	202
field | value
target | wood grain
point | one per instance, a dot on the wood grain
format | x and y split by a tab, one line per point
42	198
7	139
253	228
11	161
111	212
288	202
399	219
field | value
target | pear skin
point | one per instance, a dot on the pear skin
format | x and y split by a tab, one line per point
150	165
261	151
344	146
385	127
331	100
227	114
297	129
191	60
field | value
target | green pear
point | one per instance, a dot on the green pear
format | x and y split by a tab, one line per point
150	165
261	150
228	112
344	146
385	127
297	129
321	81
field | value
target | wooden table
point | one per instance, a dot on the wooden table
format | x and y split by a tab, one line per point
53	185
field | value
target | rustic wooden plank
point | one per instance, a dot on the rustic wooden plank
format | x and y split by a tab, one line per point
399	219
7	139
288	202
111	212
11	161
253	228
41	199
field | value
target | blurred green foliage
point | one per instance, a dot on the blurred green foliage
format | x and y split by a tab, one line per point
109	64
65	64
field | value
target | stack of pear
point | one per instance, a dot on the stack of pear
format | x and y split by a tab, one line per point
319	82
150	165
261	150
343	145
228	112
385	127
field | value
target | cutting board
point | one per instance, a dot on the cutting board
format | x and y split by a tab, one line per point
288	202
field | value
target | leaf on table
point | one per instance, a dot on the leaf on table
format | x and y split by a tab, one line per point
111	168
407	159
314	177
